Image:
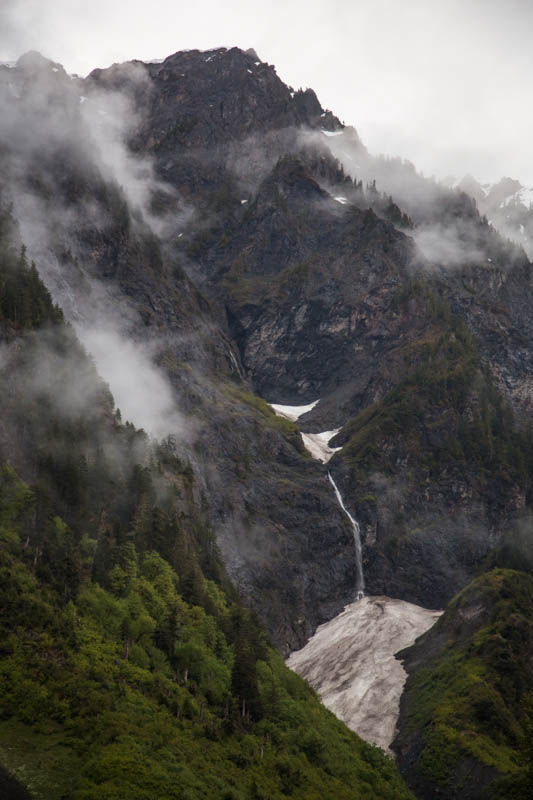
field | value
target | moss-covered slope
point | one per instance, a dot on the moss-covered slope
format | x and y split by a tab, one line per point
466	713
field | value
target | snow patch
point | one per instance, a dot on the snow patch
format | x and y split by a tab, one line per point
318	445
341	200
331	133
350	662
293	412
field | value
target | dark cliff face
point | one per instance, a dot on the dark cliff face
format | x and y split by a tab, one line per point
298	279
256	265
213	120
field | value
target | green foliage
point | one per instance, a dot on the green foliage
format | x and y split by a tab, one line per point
128	690
126	663
24	300
471	704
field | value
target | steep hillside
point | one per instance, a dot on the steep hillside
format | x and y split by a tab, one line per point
127	659
127	689
466	715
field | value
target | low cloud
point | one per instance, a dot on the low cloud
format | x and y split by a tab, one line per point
444	245
63	151
140	389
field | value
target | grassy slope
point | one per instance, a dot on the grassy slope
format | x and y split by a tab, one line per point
467	708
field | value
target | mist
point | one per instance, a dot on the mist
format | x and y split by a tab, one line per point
441	83
444	245
45	122
141	391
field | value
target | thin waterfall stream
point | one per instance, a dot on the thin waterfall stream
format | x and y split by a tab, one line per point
359	577
350	660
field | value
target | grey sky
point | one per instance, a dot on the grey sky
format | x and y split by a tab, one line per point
445	83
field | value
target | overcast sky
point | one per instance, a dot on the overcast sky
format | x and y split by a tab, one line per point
445	83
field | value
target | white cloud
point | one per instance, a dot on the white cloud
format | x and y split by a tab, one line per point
140	389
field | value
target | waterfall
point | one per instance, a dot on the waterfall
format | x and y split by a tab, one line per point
359	578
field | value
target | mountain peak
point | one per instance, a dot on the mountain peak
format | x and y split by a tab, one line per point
35	62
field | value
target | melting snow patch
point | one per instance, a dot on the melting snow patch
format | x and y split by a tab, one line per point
331	133
317	444
341	200
293	412
350	662
250	71
243	202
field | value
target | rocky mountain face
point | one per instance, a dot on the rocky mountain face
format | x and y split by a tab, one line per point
273	509
253	262
127	659
254	252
